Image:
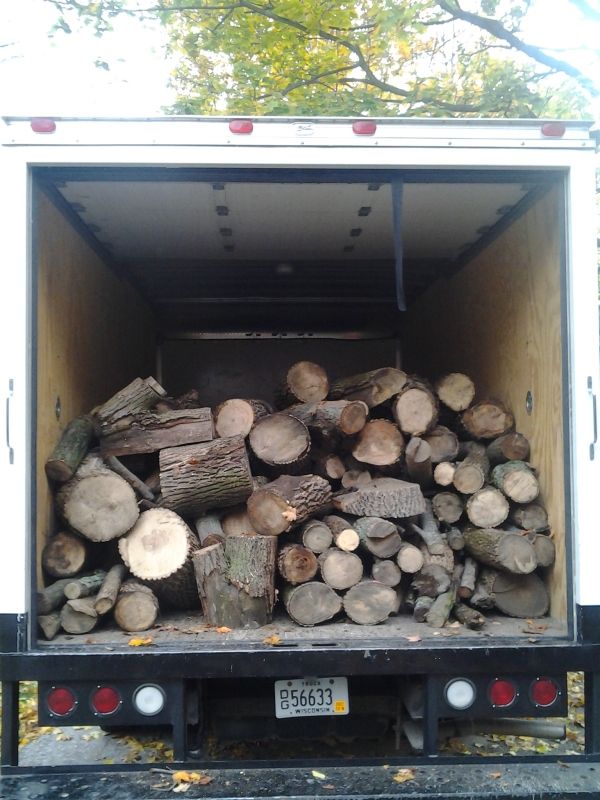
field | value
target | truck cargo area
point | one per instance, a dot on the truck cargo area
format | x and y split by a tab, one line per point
220	279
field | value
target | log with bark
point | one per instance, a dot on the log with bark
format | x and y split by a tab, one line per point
305	382
138	485
545	551
529	517
409	558
236	581
456	391
487	420
84	586
375	527
516	480
79	616
373	388
136	607
379	443
49	624
428	530
72	447
141	394
443	443
415	409
345	537
487	508
287	501
469	617
209	527
96	502
328	466
197	477
346	417
383	497
280	441
432	580
51	597
440	610
447	506
236	522
421	607
297	564
379	546
109	590
149	432
236	417
189	399
65	555
339	569
311	603
316	535
386	571
443	474
370	602
468	579
508	552
509	447
356	478
472	473
455	538
418	461
523	596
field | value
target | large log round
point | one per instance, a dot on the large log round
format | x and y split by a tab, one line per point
456	391
287	501
311	603
487	420
280	440
379	443
235	417
305	382
370	602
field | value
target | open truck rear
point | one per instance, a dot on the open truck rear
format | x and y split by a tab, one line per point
214	253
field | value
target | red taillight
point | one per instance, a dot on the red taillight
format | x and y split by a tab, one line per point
61	701
105	700
364	127
502	693
554	129
43	125
543	692
241	126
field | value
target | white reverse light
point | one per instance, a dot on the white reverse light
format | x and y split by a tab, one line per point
460	694
149	700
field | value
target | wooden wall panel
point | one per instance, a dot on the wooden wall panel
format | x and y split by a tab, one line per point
499	320
94	335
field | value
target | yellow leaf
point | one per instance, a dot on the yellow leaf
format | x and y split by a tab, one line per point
181	787
272	640
319	775
184	777
136	642
404	775
223	629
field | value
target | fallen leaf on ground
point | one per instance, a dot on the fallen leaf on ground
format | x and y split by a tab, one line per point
199	778
223	629
138	642
319	775
495	774
272	640
404	775
181	787
413	638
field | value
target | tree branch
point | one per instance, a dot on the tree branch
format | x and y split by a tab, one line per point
587	9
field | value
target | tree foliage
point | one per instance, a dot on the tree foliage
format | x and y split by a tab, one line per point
347	57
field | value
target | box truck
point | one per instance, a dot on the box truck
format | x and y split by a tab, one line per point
214	253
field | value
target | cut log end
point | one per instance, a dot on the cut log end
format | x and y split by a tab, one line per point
456	391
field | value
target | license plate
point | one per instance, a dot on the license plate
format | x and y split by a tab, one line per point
311	697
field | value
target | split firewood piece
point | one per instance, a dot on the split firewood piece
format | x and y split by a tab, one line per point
85	586
421	607
236	581
137	484
447	507
443	443
339	569
409	558
370	602
344	535
305	382
509	447
529	516
427	528
209	529
52	596
438	614
141	394
79	616
158	550
508	552
96	502
71	449
487	420
379	443
415	409
383	497
149	432
297	564
316	535
468	579
109	591
469	617
287	501
332	416
379	546
386	571
49	624
487	508
236	522
545	551
432	580
375	527
516	480
198	477
355	478
456	540
373	388
236	417
64	555
328	466
189	399
456	391
311	603
443	474
136	608
280	440
418	461
471	474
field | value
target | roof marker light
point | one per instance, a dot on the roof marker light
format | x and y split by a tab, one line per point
554	129
364	127
43	125
241	125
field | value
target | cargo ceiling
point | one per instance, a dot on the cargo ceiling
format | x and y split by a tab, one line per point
192	245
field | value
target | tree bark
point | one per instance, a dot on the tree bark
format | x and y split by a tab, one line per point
311	603
136	608
456	391
386	571
280	440
85	586
487	420
316	536
287	501
198	477
438	614
79	616
305	382
509	447
370	602
297	564
418	461
487	508
339	569
379	443
236	417
71	449
383	497
415	409
141	394
373	388
346	417
64	555
443	443
345	537
149	432
109	591
507	552
52	597
516	480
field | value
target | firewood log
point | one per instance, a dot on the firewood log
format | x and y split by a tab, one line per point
508	552
305	382
456	391
409	558
52	596
523	596
236	417
469	617
84	586
418	461
455	538
136	608
148	432
447	507
438	614
383	497
370	602
379	443
49	624
509	447
386	571
71	449
79	616
158	550
421	608
468	578
375	527
487	508
96	502
415	409
138	485
445	558
432	580
346	417
236	581
380	546
189	399
209	525
427	528
443	474
109	591
344	535
516	480
487	420
545	551
287	501
373	388
236	522
328	466
311	603
280	440
141	394
316	535
530	516
198	477
339	569
355	478
64	555
471	474
443	443
297	564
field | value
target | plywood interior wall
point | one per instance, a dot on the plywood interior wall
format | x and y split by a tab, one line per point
499	320
94	335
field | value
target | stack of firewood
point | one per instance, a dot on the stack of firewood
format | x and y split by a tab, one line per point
372	495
